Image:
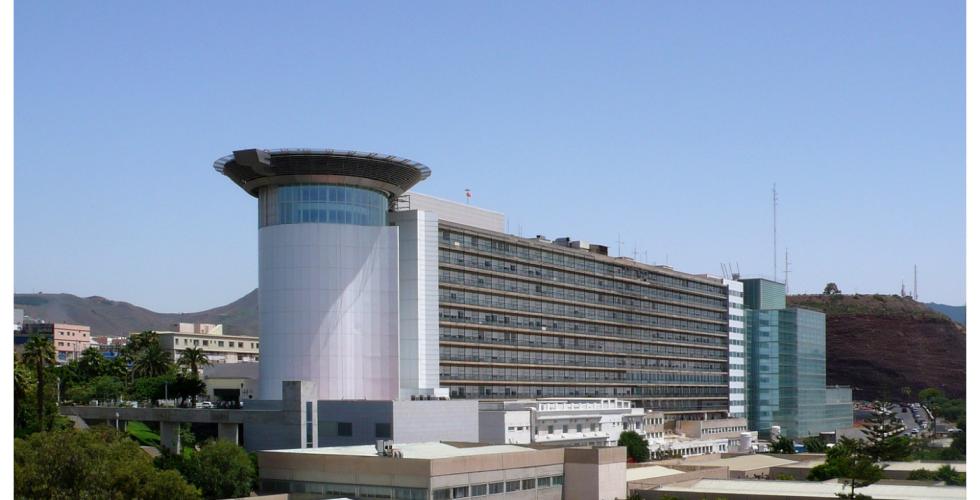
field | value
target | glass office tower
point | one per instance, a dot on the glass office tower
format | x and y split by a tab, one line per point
787	366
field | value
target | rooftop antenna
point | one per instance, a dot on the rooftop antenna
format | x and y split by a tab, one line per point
724	274
915	282
903	289
634	250
469	194
775	276
619	245
786	272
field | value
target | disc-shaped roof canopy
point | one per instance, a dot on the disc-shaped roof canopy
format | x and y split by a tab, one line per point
252	169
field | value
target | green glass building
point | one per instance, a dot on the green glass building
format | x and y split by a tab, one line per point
786	366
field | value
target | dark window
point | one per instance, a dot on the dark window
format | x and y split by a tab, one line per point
382	430
345	429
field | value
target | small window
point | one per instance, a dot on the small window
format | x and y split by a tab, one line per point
495	488
346	429
442	494
557	480
478	490
461	492
527	484
513	486
544	482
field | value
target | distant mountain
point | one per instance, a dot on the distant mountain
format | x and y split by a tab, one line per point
878	344
110	317
955	313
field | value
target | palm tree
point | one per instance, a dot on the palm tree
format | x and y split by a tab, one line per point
151	362
39	353
191	358
92	363
22	384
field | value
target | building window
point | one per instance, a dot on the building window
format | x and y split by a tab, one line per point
495	488
442	494
382	430
461	492
578	427
345	429
544	482
551	429
478	490
557	480
513	486
527	484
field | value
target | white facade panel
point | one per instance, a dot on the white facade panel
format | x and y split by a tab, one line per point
418	278
328	308
457	212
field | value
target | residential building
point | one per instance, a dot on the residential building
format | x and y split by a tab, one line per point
564	422
786	359
218	347
69	340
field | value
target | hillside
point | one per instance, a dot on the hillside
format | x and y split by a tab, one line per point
955	313
878	344
110	317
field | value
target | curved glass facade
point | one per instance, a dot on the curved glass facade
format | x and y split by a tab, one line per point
322	203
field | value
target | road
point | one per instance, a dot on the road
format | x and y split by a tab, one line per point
907	417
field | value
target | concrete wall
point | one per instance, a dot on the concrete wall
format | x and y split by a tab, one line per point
362	415
595	473
459	213
437	420
418	301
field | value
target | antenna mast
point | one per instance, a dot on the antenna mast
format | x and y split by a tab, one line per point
786	272
915	282
775	275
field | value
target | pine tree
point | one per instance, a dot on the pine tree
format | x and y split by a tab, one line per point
884	434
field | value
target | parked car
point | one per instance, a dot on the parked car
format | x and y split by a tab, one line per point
204	404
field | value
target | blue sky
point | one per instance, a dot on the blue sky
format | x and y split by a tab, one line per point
663	124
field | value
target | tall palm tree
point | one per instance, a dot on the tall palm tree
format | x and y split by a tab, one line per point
39	353
22	384
192	358
152	361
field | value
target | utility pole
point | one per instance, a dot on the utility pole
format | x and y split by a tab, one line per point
775	275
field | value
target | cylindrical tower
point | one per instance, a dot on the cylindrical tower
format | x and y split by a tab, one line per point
328	267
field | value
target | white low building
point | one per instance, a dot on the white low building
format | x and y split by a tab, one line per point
564	422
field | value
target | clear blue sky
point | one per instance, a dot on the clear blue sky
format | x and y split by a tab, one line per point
664	122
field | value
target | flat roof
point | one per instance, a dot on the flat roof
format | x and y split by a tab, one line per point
649	472
746	462
911	466
826	489
428	450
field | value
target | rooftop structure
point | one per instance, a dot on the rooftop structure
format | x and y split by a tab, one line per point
564	422
218	347
742	489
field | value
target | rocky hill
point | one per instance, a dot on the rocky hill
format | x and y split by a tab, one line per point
878	344
111	317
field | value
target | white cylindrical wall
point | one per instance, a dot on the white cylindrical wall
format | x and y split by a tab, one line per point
328	308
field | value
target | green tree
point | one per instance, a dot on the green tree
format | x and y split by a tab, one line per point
98	463
151	361
850	461
187	386
948	475
783	445
91	364
921	475
883	432
831	289
23	385
39	354
192	358
637	448
222	469
814	444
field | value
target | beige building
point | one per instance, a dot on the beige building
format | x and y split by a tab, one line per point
417	471
218	347
69	340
